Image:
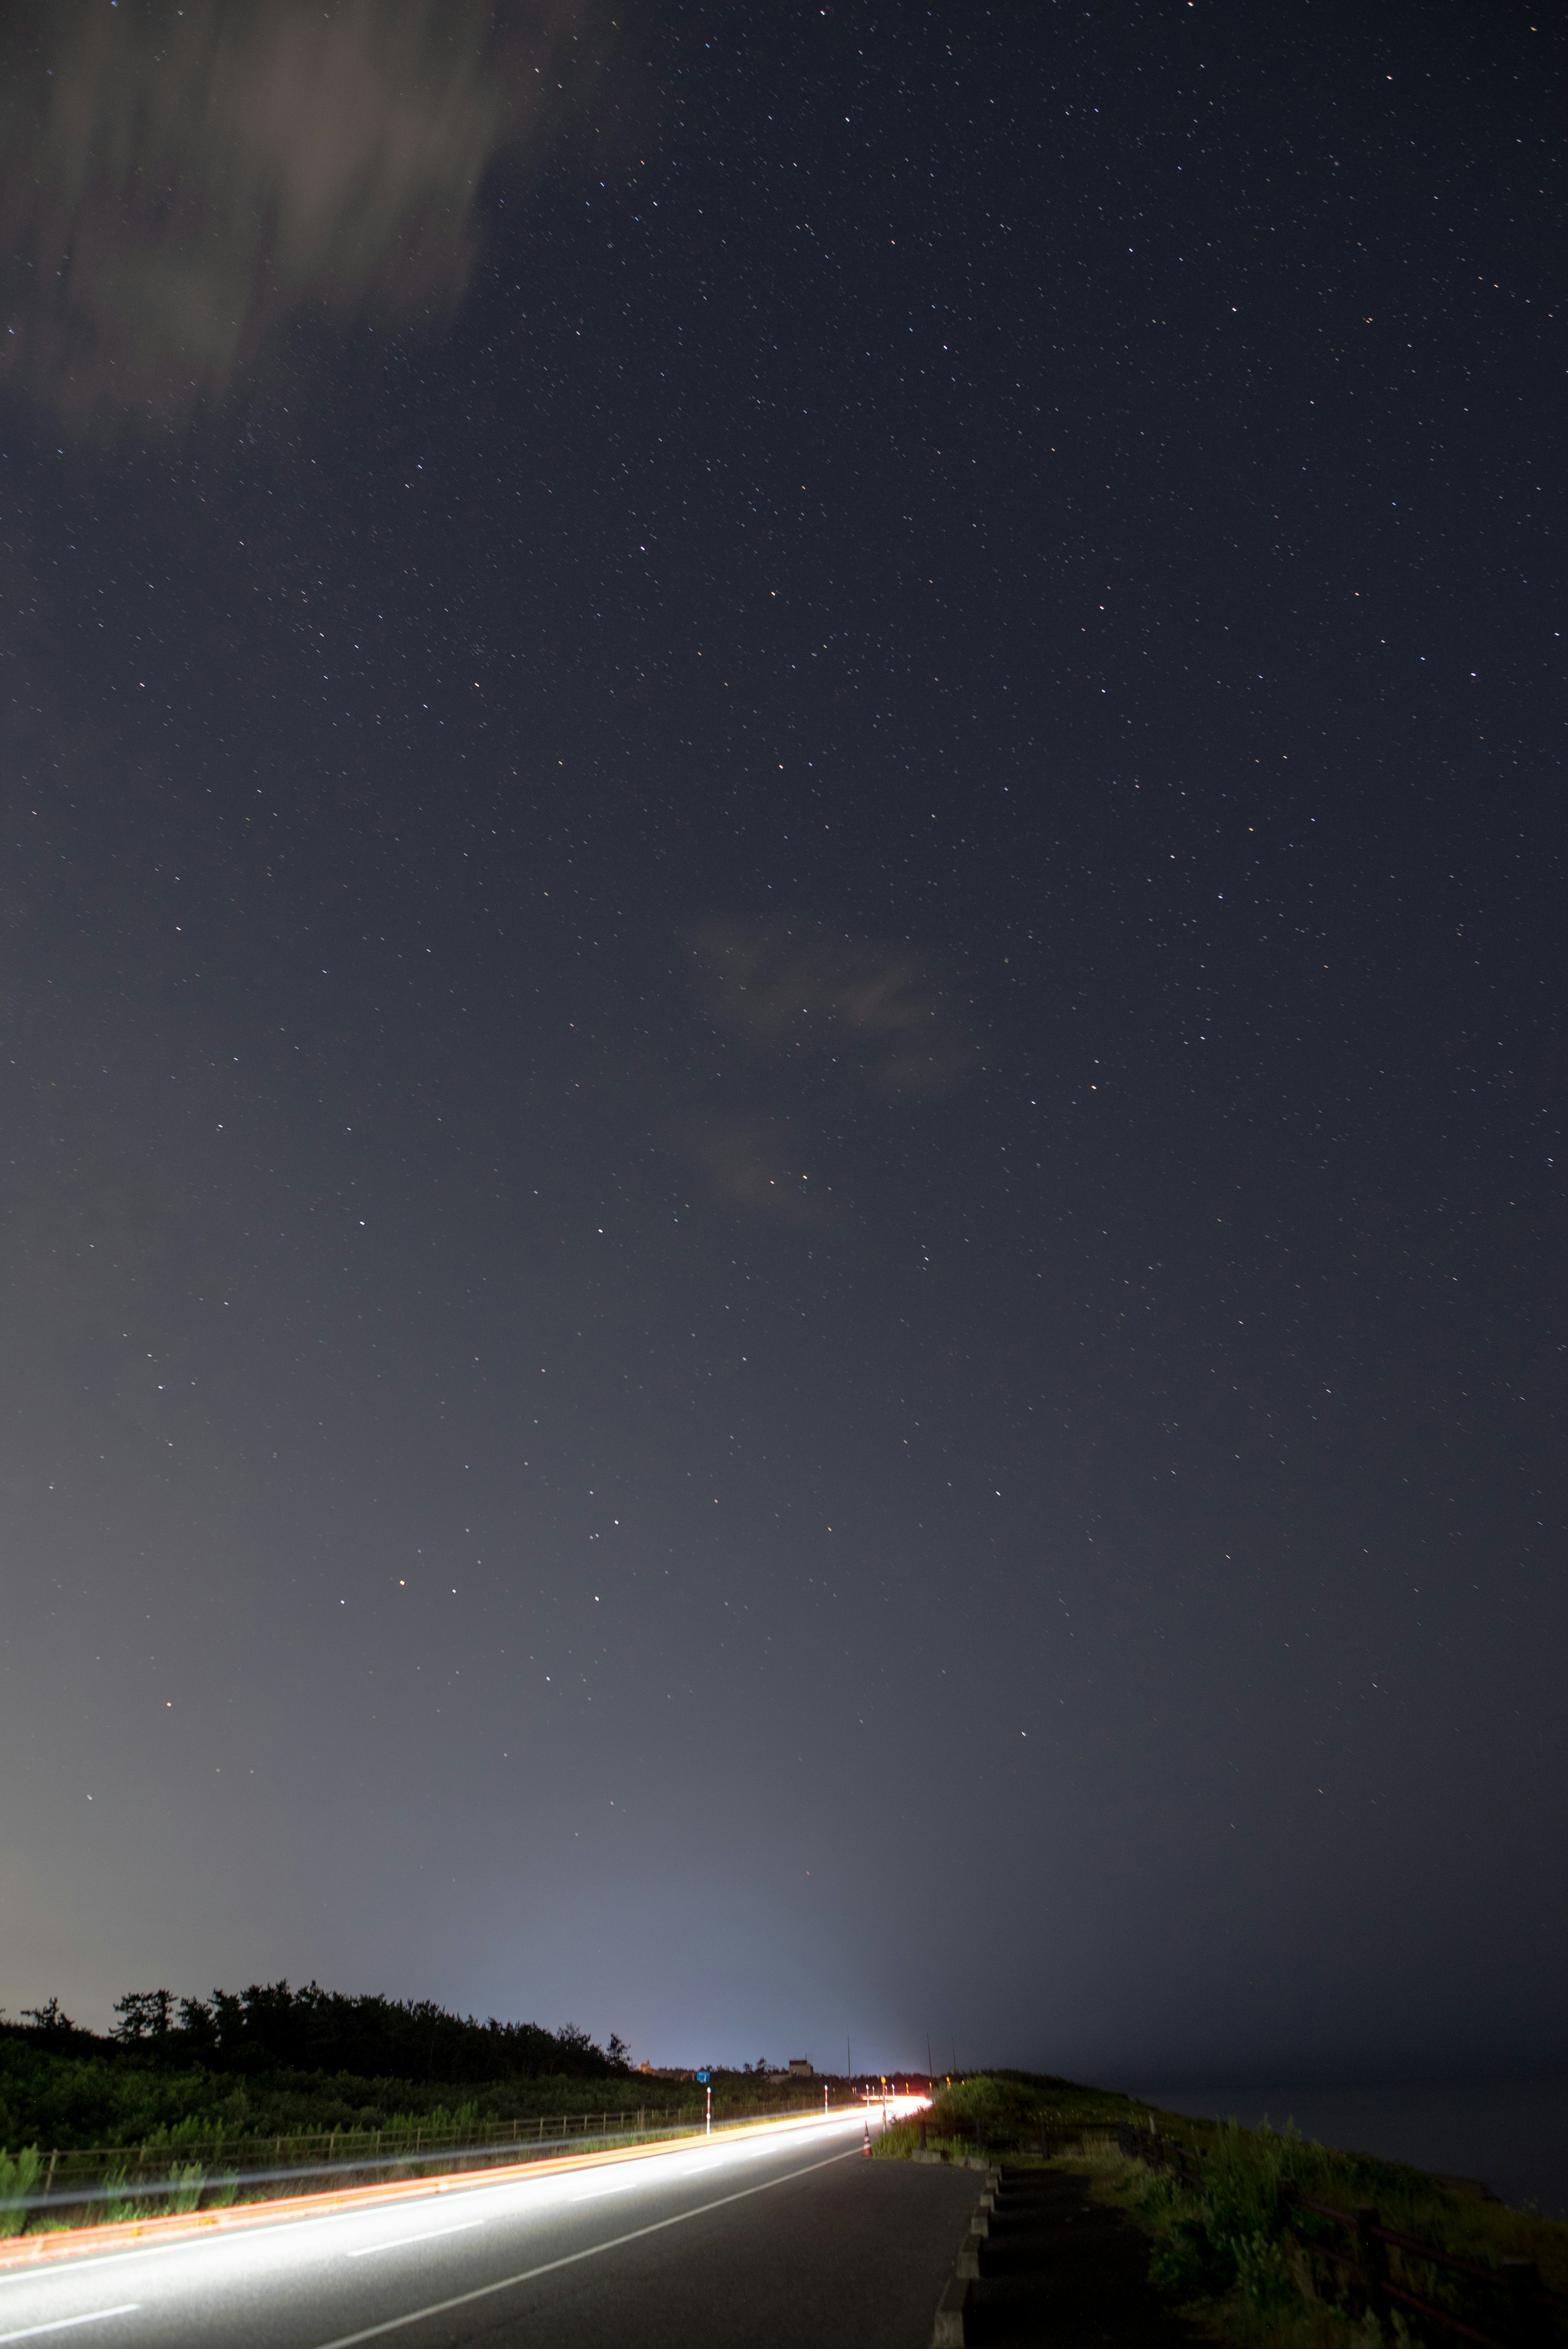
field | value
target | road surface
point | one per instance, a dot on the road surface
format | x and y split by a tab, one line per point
778	2239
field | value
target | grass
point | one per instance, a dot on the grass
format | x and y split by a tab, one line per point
1007	2109
190	2095
184	2166
193	2185
90	2096
98	2093
18	2178
1220	2247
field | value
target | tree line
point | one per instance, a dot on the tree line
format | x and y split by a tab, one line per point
272	2026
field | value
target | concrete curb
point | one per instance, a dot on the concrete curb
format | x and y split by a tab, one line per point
948	2332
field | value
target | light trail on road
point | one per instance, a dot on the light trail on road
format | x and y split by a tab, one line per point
363	2272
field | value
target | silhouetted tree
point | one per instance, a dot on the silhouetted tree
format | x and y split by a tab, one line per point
48	2017
144	2015
272	2026
198	2024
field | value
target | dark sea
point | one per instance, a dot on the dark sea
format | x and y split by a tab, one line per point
1510	2134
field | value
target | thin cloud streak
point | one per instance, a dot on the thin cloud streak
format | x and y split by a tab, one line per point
875	1005
864	1016
178	183
754	1164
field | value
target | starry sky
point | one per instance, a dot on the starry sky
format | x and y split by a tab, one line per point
782	1022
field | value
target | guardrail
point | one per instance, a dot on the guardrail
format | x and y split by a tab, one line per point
214	2173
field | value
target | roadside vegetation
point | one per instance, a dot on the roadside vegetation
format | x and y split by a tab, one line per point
271	2059
197	2094
1003	2113
1221	2247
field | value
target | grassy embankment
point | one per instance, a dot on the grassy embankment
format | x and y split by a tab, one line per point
1219	2247
335	2129
199	2108
100	2099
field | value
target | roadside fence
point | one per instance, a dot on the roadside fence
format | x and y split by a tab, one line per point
81	2186
1517	2306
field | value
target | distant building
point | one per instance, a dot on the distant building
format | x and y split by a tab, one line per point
800	2068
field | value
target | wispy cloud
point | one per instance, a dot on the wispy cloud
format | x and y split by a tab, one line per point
877	1007
862	1016
755	1164
178	180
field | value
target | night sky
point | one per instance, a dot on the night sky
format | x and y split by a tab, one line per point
782	1022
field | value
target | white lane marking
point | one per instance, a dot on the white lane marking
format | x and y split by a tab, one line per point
64	2324
596	2193
432	2235
506	2284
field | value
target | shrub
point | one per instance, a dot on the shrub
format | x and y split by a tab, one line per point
1223	2236
18	2176
187	2179
1188	2264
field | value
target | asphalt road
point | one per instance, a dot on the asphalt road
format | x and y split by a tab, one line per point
761	2244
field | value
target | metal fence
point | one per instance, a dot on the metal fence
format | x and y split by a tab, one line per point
122	2181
